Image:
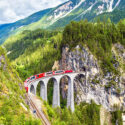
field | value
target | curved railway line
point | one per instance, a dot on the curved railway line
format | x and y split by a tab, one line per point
39	114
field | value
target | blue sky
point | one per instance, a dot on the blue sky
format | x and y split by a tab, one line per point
13	10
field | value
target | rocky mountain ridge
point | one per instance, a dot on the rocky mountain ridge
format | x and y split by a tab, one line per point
77	10
72	10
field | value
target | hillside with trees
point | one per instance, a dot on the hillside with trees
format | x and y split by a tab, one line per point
33	52
12	95
36	51
98	37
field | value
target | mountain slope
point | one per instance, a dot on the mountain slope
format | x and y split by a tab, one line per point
71	10
90	48
115	16
13	109
76	10
90	9
7	29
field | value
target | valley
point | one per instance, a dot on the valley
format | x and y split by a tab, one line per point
91	48
64	65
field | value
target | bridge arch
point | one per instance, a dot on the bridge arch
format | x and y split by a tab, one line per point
32	89
79	76
67	77
56	80
54	91
78	81
41	89
53	79
67	89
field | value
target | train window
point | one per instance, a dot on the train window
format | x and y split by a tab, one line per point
37	75
49	73
59	72
32	77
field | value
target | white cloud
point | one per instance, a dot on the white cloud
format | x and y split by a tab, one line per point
13	10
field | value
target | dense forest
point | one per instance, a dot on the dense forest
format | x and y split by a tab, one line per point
33	52
98	37
85	114
36	51
115	16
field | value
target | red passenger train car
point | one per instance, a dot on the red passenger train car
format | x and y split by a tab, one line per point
46	74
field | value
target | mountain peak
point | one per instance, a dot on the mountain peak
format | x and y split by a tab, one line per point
64	13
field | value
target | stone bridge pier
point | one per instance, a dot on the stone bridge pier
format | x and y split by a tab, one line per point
56	89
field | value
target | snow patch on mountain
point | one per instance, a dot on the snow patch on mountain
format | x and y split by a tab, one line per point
110	9
117	4
60	11
66	7
110	6
63	11
87	10
105	1
74	8
100	9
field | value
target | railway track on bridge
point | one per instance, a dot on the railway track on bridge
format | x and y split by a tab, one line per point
39	114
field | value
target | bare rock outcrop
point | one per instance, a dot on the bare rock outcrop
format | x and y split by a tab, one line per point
95	85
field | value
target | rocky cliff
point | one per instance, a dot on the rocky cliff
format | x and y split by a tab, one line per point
105	89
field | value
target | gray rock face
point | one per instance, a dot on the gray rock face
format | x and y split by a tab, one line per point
2	62
93	86
79	60
121	50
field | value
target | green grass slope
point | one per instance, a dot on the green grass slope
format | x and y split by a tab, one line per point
12	95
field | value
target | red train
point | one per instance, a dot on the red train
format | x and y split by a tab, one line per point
46	74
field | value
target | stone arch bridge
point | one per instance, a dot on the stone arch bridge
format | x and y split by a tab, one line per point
56	89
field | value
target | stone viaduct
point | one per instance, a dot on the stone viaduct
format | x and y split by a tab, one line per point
56	89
